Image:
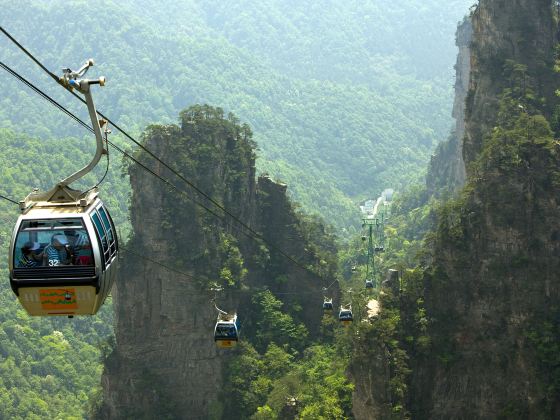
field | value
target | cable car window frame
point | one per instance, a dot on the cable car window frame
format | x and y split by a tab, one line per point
109	229
114	230
101	238
222	327
51	224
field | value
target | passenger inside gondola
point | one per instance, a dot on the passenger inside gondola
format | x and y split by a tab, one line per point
52	243
227	331
79	243
30	256
58	252
345	315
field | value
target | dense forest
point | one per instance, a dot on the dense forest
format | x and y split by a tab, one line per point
317	84
343	99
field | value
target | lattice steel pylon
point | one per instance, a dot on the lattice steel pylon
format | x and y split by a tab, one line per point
374	223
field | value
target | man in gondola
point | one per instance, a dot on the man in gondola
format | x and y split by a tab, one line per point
57	253
79	243
29	257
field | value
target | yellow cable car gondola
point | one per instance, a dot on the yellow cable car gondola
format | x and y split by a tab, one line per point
64	249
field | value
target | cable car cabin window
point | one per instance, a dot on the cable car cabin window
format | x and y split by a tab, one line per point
52	243
102	237
345	316
110	231
225	331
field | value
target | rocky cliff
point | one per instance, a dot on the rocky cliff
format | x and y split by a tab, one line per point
165	363
447	167
523	32
374	364
478	321
492	288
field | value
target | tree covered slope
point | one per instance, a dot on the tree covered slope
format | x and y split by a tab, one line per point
344	98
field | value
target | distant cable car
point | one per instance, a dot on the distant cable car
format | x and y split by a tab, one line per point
64	249
226	331
345	315
369	284
327	304
379	248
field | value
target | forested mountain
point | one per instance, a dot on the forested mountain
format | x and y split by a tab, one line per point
344	98
165	363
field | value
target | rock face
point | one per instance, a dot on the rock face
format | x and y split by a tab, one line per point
480	320
371	365
282	227
519	30
493	285
447	167
165	363
372	397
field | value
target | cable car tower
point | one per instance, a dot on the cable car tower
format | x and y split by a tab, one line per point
64	248
374	223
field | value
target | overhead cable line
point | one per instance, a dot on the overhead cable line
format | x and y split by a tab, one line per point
125	133
44	95
21	47
85	125
174	270
124	153
252	233
9	199
190	276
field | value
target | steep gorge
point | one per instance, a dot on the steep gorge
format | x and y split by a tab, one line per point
165	363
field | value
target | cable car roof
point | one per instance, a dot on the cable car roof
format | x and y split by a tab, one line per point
35	206
49	212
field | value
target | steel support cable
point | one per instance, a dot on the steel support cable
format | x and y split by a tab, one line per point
21	47
44	95
124	153
153	155
85	125
255	235
252	233
190	276
9	199
167	267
